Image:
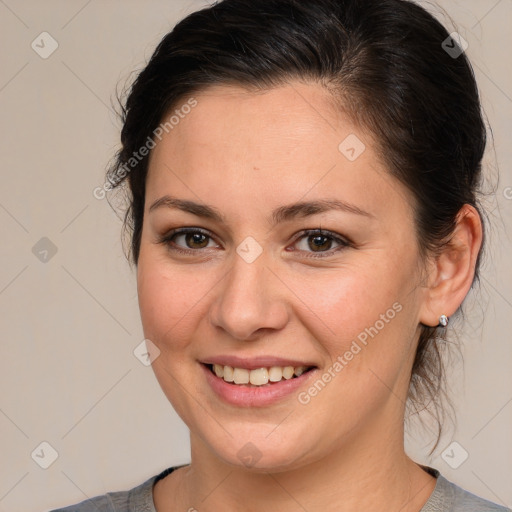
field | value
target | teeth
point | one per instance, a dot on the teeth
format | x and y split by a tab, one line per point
275	374
258	377
300	370
241	376
228	374
288	372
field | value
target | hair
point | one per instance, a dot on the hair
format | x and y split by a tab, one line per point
385	63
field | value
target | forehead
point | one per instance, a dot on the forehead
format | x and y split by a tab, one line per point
229	125
292	111
286	142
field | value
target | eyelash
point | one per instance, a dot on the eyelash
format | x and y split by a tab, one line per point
167	240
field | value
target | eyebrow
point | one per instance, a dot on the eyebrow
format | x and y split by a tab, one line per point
281	214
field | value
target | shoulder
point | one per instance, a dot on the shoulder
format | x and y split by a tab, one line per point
464	500
138	499
448	496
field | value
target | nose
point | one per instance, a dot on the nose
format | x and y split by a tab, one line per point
250	302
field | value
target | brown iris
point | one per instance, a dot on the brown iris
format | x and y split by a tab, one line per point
319	242
196	240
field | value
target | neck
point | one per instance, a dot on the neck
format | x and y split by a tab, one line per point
370	472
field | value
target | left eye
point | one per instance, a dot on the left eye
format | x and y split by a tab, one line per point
192	240
319	242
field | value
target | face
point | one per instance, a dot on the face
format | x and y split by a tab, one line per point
268	245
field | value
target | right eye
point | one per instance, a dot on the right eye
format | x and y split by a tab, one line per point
188	240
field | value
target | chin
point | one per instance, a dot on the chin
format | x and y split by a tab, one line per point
258	452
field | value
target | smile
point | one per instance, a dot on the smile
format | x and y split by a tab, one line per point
257	381
259	376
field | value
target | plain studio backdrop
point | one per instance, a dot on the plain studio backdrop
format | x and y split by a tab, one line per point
70	321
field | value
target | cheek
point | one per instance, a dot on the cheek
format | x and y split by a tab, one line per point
169	299
352	298
363	323
169	302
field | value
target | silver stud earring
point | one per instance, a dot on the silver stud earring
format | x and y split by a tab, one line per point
443	320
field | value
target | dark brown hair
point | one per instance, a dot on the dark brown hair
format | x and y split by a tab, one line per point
388	65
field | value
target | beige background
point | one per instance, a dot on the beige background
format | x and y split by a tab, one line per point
69	325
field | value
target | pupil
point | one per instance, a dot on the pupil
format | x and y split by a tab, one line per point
320	242
196	239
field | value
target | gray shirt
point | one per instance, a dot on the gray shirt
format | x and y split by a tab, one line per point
446	497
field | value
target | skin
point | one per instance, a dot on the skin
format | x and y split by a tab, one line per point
246	154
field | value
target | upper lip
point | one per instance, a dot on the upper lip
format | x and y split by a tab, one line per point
254	363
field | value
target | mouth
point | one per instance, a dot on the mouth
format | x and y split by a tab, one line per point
257	377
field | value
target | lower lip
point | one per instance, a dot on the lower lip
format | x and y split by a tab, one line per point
254	396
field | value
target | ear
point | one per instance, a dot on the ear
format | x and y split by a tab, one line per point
453	269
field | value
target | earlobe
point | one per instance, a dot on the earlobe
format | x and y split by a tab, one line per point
454	269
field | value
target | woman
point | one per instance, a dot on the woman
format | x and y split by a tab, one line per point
303	180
